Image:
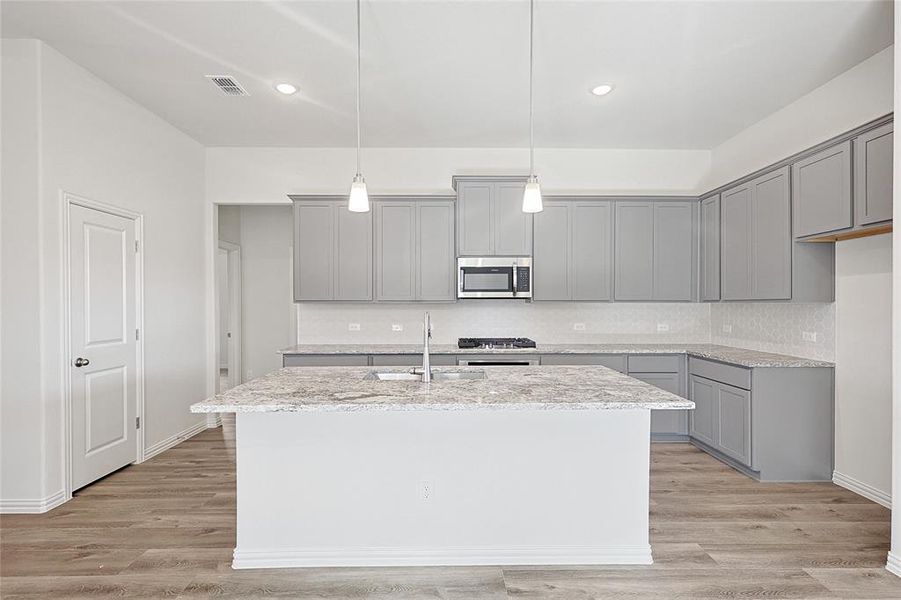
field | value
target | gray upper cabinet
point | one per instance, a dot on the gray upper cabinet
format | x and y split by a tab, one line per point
332	252
674	242
573	250
821	191
709	249
395	249
654	256
756	239
414	250
490	221
634	255
873	176
435	261
592	250
553	251
771	242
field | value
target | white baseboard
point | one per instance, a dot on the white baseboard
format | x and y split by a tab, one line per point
40	505
419	557
862	489
893	564
176	439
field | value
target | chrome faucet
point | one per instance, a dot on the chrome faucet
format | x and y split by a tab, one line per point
426	336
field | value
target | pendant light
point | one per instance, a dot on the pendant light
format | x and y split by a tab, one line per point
531	196
358	201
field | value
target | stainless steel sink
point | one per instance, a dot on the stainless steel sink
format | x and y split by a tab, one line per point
436	375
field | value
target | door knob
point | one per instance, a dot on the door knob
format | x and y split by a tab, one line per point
82	362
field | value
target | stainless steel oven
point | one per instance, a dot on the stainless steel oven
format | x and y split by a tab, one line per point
494	277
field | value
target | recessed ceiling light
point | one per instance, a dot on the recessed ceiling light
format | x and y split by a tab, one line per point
602	90
286	88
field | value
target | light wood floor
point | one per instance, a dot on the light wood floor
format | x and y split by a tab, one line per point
166	528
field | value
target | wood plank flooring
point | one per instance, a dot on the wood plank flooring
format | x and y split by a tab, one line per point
166	528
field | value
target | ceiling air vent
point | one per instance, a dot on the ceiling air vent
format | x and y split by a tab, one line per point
228	85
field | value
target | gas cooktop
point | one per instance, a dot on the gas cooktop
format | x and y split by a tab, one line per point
495	343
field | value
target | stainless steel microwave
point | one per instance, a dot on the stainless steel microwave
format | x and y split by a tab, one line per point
494	277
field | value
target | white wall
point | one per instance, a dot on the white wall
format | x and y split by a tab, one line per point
863	371
858	95
94	142
267	175
268	297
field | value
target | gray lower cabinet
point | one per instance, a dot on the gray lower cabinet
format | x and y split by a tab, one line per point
490	221
821	191
666	371
573	250
654	256
332	251
709	249
414	250
325	360
775	424
617	362
759	260
411	360
873	176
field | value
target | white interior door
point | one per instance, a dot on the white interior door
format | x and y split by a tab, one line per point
103	353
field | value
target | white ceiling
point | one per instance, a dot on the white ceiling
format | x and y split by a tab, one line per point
688	74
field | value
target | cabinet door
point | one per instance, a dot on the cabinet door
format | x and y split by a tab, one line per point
634	254
703	420
314	233
736	243
771	241
353	254
512	227
710	248
394	250
592	250
553	244
673	250
674	422
435	246
821	191
873	176
474	218
734	417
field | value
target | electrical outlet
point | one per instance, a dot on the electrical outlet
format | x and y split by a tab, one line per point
809	336
397	327
249	374
661	327
425	490
353	327
578	326
727	328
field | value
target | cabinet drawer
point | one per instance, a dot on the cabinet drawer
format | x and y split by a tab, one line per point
654	364
325	360
736	376
412	360
617	362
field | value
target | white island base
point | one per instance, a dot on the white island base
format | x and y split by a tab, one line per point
442	487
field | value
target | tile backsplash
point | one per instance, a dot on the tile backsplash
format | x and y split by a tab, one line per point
806	330
799	329
545	322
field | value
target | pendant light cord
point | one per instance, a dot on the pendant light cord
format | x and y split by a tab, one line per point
359	143
531	86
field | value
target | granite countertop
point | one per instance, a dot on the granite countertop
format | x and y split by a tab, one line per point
726	354
300	389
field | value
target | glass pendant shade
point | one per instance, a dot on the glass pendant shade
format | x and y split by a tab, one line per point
358	201
531	197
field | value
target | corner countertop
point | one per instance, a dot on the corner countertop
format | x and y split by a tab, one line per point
727	354
305	389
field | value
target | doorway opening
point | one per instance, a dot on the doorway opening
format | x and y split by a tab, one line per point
228	322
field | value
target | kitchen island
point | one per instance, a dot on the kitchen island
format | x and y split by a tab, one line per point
534	465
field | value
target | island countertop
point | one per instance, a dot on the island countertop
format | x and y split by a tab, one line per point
300	389
727	354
